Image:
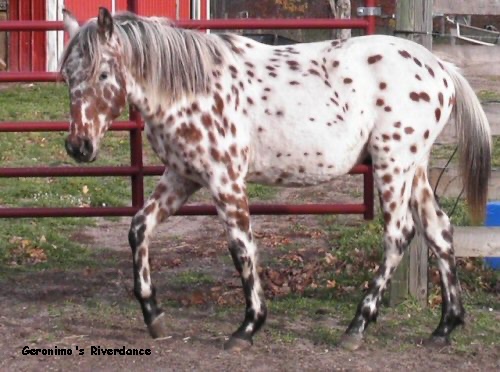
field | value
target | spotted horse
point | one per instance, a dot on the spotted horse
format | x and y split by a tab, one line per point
224	110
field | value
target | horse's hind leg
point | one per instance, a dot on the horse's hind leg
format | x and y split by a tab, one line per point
394	186
232	206
438	234
170	194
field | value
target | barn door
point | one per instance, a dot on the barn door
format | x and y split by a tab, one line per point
27	50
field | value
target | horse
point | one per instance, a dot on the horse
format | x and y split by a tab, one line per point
221	110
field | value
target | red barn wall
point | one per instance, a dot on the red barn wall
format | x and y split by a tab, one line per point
27	50
84	10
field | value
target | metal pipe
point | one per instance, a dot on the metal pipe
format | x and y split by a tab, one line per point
68	171
249	23
29	77
113	171
31	26
54	126
370	29
188	210
137	179
226	24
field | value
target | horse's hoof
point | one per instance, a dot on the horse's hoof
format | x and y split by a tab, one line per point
237	344
437	342
351	342
157	329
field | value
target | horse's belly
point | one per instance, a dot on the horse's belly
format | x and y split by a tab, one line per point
306	158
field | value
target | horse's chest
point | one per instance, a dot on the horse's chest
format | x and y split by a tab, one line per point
158	141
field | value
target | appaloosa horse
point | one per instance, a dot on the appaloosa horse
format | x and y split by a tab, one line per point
224	110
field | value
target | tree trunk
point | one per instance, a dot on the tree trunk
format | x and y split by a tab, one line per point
341	9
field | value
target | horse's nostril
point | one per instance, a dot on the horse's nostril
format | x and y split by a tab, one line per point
78	148
70	148
87	145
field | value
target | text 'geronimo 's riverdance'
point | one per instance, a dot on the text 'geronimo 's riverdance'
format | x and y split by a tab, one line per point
92	350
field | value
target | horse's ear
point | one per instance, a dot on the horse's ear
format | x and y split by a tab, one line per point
104	24
71	25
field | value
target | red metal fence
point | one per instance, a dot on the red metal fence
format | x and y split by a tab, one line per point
136	170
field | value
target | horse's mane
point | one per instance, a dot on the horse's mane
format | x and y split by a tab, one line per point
170	62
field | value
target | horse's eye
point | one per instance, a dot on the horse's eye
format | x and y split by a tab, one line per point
103	76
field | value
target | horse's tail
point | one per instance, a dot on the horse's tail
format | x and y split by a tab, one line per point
474	143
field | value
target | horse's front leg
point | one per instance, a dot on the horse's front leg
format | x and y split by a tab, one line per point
232	206
170	194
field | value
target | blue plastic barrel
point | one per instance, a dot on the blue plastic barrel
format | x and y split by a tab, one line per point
493	219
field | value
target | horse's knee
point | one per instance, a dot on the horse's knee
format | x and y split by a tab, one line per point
136	232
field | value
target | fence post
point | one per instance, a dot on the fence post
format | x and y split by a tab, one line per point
411	275
137	180
132	6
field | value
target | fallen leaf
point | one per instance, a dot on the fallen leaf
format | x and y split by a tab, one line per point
331	283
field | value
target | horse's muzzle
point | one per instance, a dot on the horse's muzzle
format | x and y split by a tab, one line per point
80	149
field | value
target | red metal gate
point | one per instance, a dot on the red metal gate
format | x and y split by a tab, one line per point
136	170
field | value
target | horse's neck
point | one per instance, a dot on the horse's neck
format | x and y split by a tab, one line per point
138	97
135	94
152	109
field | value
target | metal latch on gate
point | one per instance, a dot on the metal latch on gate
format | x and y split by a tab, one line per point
3	5
364	11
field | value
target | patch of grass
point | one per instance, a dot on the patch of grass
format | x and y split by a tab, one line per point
35	102
459	214
105	310
348	239
325	336
40	244
409	320
444	152
368	237
484	329
312	303
495	160
289	247
70	191
400	326
261	192
191	278
488	95
278	334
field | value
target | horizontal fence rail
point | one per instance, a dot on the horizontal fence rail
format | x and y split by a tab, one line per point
213	24
263	209
137	170
187	210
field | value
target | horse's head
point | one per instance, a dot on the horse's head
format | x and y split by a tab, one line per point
92	68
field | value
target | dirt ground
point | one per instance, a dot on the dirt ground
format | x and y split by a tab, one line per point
94	306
